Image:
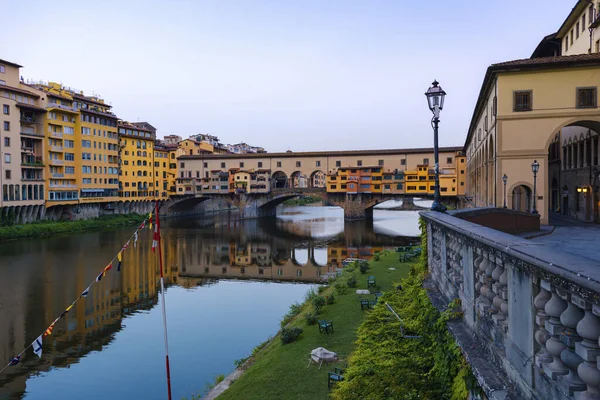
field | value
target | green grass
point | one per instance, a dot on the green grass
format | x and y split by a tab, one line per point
46	228
279	371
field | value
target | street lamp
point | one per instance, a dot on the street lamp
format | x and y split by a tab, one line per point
504	179
535	167
435	100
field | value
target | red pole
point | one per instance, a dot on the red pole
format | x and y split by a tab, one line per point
162	296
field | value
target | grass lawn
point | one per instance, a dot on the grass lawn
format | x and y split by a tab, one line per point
280	372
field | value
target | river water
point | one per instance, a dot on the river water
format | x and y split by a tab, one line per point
228	285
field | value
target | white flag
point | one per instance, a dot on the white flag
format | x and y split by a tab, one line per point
37	346
135	241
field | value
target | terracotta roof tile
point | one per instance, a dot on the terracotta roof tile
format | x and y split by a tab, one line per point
558	60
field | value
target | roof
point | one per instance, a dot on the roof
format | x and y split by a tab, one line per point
382	152
142	123
14	89
107	114
90	100
31	107
573	16
527	64
125	124
547	46
10	63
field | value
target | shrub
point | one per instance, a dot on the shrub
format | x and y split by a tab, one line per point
318	303
351	267
376	256
294	310
330	299
311	294
322	288
340	287
311	318
364	267
289	335
351	281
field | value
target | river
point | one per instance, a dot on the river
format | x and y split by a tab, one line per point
228	285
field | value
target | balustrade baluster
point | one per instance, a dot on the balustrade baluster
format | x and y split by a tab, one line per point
589	350
569	318
554	308
541	335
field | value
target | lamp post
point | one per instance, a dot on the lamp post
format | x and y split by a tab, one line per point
535	167
504	179
435	100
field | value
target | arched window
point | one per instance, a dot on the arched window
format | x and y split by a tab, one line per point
11	192
17	193
144	164
24	192
29	192
41	192
35	192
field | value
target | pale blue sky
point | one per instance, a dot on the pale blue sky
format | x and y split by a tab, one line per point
299	75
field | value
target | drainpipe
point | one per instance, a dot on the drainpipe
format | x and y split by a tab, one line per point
591	30
494	114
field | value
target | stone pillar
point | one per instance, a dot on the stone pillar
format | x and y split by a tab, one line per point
589	350
569	318
554	308
484	303
500	301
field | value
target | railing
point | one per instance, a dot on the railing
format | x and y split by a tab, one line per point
40	179
62	107
56	134
28	120
40	135
63	185
27	149
55	161
56	148
57	175
530	313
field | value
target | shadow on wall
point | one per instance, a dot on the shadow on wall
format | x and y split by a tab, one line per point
501	219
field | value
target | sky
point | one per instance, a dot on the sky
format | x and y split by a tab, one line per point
300	75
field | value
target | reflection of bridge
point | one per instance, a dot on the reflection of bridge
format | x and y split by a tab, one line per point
256	205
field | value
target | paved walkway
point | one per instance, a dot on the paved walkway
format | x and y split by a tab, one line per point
575	237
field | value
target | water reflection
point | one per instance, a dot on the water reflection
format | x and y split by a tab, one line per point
39	278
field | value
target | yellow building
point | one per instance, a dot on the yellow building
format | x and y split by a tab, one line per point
136	180
82	154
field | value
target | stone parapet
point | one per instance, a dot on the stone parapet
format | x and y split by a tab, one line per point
530	326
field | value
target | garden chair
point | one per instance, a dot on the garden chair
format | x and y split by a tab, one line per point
371	281
325	326
334	377
364	303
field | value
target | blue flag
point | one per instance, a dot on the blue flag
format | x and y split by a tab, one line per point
15	360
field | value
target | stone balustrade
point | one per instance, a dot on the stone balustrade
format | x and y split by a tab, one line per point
530	326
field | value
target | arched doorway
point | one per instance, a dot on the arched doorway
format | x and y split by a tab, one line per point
521	198
565	201
297	180
279	180
317	179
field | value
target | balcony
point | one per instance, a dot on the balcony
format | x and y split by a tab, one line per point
57	175
56	134
55	161
26	149
32	179
25	119
56	148
33	134
62	186
62	107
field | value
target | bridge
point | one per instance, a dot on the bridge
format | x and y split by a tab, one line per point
258	205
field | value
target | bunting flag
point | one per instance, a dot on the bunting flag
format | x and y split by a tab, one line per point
37	346
86	291
150	221
106	269
120	259
155	238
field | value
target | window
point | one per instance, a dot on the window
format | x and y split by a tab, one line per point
571	37
69	144
205	165
298	164
2	69
403	161
338	163
222	165
587	97
241	164
6	142
278	164
567	42
86	144
182	165
380	163
359	163
334	186
577	30
522	100
590	14
426	161
7	174
260	164
7	158
69	170
318	163
6	109
6	126
448	160
582	22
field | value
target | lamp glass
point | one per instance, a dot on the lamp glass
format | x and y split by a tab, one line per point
535	167
504	178
579	190
435	96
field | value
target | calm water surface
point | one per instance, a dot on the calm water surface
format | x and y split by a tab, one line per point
228	285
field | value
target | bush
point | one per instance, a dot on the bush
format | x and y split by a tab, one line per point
376	256
364	267
294	310
289	335
311	318
311	294
340	287
318	303
330	299
351	267
322	288
351	281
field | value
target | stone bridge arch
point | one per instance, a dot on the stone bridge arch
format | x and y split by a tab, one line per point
182	205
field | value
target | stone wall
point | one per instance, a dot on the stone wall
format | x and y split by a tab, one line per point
530	327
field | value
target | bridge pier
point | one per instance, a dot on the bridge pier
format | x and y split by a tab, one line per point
356	211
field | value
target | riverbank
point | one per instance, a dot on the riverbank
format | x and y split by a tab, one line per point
280	371
48	228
